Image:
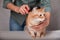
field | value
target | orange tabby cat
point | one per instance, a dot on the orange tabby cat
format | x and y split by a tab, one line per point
35	17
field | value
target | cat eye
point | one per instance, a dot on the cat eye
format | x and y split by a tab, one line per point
40	15
44	14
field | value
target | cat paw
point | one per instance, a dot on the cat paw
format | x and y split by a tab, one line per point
41	36
33	37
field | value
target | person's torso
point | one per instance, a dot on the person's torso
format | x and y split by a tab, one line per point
18	17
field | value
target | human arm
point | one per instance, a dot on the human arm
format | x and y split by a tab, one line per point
22	9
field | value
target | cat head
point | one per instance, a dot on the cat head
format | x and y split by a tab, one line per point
39	13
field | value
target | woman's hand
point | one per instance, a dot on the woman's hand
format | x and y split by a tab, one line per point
44	24
24	9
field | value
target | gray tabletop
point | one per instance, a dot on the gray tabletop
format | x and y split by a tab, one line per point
24	35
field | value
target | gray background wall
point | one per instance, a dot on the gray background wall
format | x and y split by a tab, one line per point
54	23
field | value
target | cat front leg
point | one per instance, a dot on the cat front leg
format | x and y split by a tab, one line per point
32	34
38	34
43	33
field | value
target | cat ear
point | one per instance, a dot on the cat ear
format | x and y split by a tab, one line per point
34	10
43	10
